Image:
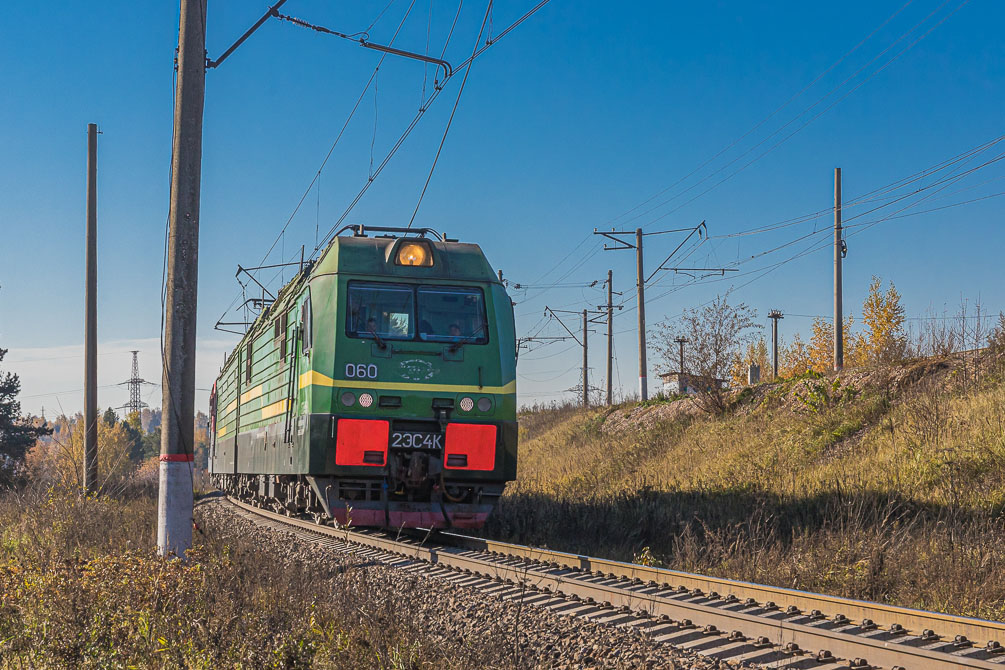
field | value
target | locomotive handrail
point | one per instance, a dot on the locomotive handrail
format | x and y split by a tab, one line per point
292	387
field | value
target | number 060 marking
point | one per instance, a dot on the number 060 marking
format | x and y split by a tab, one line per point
360	371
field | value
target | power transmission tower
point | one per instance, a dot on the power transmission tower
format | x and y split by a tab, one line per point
774	315
135	384
91	325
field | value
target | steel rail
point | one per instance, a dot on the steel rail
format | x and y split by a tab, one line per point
912	620
691	617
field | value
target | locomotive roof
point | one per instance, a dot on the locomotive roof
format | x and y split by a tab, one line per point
362	255
374	256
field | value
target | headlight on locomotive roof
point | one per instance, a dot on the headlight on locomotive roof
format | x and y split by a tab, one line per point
414	253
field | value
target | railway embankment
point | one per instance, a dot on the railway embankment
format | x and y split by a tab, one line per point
886	484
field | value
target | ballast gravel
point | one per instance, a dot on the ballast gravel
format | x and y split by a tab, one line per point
462	626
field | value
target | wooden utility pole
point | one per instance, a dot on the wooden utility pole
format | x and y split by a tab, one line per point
610	337
91	317
174	505
838	255
774	315
586	368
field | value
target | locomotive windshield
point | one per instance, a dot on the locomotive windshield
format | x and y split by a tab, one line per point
428	313
448	314
384	311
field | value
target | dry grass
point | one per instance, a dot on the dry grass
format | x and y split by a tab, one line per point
81	588
888	485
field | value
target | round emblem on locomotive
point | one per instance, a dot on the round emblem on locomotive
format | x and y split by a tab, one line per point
417	370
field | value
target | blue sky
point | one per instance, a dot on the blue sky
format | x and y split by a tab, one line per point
579	115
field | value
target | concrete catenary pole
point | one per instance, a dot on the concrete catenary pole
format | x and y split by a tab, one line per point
586	369
91	325
774	315
610	337
641	282
174	505
838	253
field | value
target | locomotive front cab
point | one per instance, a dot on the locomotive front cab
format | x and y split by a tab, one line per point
422	383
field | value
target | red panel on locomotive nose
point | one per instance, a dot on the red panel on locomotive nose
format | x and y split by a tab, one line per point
470	446
361	442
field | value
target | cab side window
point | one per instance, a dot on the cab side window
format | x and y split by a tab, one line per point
306	325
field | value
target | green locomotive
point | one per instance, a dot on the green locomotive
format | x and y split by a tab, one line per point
378	389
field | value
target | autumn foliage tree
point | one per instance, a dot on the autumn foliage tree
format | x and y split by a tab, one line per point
821	345
61	459
794	358
756	353
885	340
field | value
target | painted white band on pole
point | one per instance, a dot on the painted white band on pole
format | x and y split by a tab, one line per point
174	506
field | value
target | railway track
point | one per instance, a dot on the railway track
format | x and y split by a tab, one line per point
721	618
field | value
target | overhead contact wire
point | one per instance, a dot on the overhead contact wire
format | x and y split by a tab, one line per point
450	120
409	129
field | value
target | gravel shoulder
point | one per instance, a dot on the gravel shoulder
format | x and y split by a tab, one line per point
454	626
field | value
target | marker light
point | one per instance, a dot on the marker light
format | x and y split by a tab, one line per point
415	254
467	404
348	399
365	400
484	404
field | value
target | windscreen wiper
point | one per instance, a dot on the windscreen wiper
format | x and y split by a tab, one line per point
460	343
380	342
